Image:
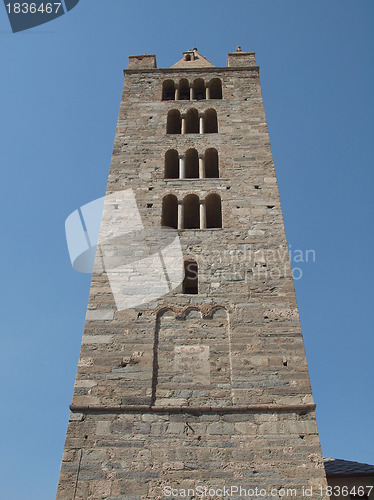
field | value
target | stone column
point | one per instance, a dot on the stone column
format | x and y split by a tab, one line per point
180	215
176	93
183	124
207	93
202	214
191	93
201	124
201	167
182	167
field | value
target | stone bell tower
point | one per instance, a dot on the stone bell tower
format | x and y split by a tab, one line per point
204	385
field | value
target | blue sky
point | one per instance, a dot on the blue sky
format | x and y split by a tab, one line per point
61	85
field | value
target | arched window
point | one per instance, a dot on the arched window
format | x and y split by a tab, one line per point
211	163
192	164
215	89
199	89
174	122
170	211
184	90
168	90
213	211
191	212
190	282
192	121
210	121
171	164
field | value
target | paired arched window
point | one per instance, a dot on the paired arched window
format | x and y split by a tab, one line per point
210	121
211	163
192	213
170	211
215	89
191	278
191	122
168	90
174	122
197	90
191	165
171	164
184	90
191	207
213	211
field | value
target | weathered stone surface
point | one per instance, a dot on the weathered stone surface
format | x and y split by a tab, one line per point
99	314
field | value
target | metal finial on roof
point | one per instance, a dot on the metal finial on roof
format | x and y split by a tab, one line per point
238	48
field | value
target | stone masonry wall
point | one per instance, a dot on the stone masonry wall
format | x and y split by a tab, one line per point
135	455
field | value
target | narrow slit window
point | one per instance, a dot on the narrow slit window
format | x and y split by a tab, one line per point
190	282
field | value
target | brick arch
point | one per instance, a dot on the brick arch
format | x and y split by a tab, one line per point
169	191
213	191
186	193
186	312
162	311
210	312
